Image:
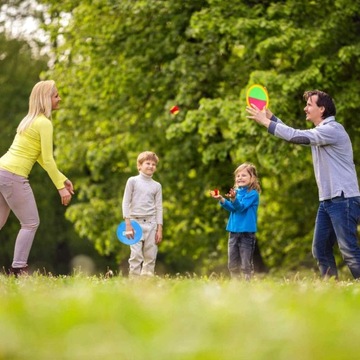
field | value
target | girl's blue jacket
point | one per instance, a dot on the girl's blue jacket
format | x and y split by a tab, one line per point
243	211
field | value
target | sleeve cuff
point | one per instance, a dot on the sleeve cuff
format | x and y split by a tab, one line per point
272	127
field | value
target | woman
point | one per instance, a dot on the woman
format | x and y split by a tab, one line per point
33	142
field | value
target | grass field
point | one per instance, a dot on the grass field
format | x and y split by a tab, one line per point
79	317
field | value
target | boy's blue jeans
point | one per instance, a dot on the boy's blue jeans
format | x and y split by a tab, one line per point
240	253
337	221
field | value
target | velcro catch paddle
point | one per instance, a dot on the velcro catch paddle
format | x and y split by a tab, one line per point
121	233
257	95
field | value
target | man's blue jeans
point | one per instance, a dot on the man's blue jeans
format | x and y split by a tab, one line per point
240	253
336	222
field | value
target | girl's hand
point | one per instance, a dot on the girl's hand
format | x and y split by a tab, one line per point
65	196
218	196
231	194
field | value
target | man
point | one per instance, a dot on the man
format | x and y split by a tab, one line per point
339	208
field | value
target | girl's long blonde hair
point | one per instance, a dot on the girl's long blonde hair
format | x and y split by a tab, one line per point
39	103
251	169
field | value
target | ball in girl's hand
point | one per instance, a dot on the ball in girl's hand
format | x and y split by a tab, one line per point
174	110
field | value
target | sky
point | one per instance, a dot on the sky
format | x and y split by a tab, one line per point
18	24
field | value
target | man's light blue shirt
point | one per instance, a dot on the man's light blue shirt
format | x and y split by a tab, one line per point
332	155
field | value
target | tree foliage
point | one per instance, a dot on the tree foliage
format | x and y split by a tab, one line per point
121	65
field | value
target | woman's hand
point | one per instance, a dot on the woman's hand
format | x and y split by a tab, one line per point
65	196
69	186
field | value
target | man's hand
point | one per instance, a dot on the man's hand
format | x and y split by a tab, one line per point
260	116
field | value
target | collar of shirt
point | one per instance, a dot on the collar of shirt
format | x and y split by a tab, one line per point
144	175
326	120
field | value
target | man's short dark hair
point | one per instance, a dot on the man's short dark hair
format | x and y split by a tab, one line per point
324	100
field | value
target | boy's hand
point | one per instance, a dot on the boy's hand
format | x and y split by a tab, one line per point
158	235
129	231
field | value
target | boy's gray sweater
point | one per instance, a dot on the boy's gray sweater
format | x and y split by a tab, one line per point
143	198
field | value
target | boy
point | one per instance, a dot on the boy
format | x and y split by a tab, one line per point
142	202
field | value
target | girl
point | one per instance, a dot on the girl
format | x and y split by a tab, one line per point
33	142
242	204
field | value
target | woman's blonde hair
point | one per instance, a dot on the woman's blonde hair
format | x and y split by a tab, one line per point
39	103
251	169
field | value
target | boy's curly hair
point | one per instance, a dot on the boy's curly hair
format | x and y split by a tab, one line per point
147	155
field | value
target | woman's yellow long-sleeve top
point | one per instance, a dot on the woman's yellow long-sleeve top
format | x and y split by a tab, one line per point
33	144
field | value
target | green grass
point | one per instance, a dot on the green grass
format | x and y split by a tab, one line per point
79	317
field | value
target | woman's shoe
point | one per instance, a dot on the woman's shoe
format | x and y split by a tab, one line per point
19	271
